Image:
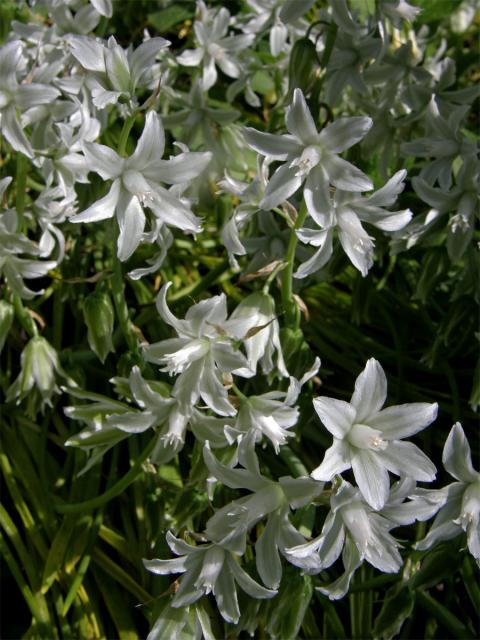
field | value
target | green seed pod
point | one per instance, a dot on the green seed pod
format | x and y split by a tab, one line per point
303	60
99	318
6	319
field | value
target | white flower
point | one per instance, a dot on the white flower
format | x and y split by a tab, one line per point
137	183
201	353
208	568
255	322
230	524
271	415
345	214
214	46
311	157
13	267
354	527
459	502
368	439
114	72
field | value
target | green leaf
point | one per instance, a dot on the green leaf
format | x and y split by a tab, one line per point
397	607
287	610
169	17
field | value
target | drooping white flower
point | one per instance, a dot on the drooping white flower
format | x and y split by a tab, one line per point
268	498
344	215
270	415
201	353
15	96
368	439
362	534
310	157
137	183
13	244
459	502
207	568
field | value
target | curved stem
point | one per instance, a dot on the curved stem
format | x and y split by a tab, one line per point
288	301
127	127
114	491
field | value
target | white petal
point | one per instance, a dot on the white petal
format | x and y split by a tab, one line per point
281	186
102	209
226	596
345	175
247	583
103	160
278	37
372	477
179	169
269	565
164	567
190	57
337	415
278	147
457	457
336	460
345	132
151	144
370	391
299	120
88	52
317	197
405	458
404	420
131	222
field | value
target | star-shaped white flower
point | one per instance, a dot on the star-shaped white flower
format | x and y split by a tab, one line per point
367	439
311	157
137	183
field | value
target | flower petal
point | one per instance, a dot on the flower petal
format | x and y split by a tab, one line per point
150	145
337	459
372	477
405	458
277	147
102	209
131	222
345	132
337	415
457	457
248	584
404	420
281	186
103	160
370	391
299	120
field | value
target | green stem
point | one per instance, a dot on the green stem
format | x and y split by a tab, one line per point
196	288
289	305
22	165
24	588
471	584
118	296
114	491
127	127
442	615
24	317
293	462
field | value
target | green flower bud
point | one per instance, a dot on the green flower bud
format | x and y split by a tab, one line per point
6	319
303	59
99	318
39	366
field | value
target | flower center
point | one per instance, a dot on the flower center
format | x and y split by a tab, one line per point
310	158
364	437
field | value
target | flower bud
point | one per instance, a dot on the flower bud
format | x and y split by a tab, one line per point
302	63
99	318
39	365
